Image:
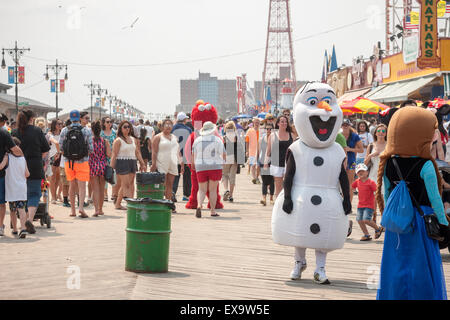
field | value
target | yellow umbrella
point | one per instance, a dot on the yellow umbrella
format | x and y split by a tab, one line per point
364	105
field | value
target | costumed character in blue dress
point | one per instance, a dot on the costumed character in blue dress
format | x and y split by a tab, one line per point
411	266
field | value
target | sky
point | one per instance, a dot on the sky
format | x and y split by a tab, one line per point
91	38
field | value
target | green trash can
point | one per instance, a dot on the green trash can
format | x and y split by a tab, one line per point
150	185
148	234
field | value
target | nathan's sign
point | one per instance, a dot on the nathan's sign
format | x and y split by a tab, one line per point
428	35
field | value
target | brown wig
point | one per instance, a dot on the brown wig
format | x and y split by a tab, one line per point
410	134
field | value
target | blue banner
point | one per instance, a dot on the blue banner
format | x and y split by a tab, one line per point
53	86
11	76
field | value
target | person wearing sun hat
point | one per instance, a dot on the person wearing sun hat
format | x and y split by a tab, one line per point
208	159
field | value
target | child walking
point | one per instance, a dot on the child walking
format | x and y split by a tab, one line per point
16	190
366	202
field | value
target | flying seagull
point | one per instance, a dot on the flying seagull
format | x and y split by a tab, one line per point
132	25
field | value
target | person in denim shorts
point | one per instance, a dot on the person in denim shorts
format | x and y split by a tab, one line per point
366	204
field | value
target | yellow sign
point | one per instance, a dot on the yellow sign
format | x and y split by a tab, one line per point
415	17
441	8
428	57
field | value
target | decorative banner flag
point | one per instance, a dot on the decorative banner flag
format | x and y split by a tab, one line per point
428	35
11	75
411	24
103	102
62	85
52	85
21	75
97	102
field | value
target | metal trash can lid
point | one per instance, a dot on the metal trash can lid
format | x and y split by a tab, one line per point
150	178
168	203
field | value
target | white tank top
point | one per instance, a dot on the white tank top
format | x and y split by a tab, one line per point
15	181
127	151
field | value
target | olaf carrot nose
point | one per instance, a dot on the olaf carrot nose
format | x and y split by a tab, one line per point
324	105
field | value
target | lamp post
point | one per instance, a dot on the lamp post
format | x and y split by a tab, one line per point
16	53
56	68
99	93
92	88
111	98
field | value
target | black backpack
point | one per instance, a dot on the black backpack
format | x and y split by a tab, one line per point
75	146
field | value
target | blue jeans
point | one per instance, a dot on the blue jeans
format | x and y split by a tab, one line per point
364	214
33	192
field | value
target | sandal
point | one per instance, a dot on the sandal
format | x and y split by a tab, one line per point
83	216
366	237
95	215
198	213
72	215
263	202
121	208
215	214
378	233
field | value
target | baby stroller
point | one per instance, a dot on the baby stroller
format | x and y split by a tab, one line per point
42	211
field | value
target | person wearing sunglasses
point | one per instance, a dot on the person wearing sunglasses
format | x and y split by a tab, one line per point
372	160
267	178
124	158
166	156
55	157
109	134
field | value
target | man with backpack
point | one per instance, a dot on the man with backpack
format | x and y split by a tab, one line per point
76	142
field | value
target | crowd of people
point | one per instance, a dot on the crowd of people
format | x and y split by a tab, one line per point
259	143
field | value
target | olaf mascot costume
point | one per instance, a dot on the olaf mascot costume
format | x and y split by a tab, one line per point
311	212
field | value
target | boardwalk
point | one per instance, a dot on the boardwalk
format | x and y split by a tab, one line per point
230	257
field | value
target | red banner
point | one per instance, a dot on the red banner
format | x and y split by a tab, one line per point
21	75
62	85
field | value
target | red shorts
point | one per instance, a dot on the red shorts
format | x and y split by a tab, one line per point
205	176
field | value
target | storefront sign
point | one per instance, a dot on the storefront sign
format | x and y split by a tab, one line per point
428	35
441	8
410	48
386	70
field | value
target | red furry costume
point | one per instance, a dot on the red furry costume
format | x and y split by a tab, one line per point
201	113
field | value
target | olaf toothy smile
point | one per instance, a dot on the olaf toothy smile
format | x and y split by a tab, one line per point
322	129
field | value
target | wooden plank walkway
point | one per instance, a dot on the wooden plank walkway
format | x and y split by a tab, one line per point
230	257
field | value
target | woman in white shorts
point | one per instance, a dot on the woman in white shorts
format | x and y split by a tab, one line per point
276	151
166	156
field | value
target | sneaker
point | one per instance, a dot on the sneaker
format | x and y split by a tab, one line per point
14	233
254	181
2	230
350	228
198	213
299	267
174	198
185	198
231	199
23	234
258	181
320	277
30	227
66	204
226	196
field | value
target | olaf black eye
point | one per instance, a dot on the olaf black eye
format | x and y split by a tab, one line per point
312	101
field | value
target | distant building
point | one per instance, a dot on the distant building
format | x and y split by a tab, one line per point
221	93
275	90
8	104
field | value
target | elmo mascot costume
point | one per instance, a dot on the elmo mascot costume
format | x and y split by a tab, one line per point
201	113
